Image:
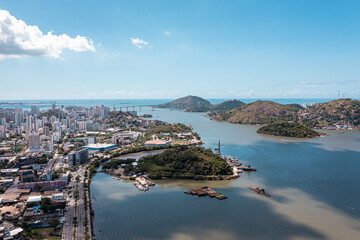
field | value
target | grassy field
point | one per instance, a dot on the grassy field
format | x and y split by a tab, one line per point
44	234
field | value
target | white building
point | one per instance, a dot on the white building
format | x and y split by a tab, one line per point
58	196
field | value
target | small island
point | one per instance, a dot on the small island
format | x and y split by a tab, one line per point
184	163
146	116
288	129
188	104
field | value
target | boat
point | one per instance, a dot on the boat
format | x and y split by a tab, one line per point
221	197
259	191
247	168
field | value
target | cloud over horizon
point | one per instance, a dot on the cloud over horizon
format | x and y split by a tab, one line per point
18	39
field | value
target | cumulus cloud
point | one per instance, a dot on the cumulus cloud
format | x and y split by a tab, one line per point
19	39
139	43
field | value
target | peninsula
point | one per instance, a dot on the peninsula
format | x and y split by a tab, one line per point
184	163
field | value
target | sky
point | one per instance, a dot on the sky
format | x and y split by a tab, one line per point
154	49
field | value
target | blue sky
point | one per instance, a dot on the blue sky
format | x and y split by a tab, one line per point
169	49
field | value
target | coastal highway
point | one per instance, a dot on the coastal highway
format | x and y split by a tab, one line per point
80	212
68	228
69	212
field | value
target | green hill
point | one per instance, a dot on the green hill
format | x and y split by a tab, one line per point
227	105
287	129
188	104
259	112
184	163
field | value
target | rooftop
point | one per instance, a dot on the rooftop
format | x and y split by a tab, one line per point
100	145
33	199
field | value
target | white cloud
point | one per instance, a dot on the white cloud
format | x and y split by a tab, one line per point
139	43
167	33
19	39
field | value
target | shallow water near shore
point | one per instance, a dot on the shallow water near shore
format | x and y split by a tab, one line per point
313	182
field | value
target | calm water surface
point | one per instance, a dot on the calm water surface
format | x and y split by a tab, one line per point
314	183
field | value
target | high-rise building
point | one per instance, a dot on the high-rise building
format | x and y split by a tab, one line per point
29	122
47	131
19	119
2	121
2	132
88	126
78	157
34	110
34	142
44	119
49	146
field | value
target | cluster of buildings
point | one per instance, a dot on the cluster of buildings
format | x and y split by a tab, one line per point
22	191
43	130
37	148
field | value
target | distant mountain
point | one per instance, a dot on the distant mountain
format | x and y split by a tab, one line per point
259	112
288	129
189	104
227	105
344	113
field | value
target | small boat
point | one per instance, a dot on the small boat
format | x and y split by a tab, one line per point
259	191
221	197
247	168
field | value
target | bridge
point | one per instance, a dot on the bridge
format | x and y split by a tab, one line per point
133	107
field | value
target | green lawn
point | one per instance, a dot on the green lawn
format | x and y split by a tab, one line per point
43	233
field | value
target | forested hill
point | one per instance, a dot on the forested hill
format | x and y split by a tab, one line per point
184	163
188	104
227	105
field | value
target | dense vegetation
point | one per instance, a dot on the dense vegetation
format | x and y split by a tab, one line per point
198	104
50	113
146	115
114	163
48	206
189	104
227	105
287	129
184	163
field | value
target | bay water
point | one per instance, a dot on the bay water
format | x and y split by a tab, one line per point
314	185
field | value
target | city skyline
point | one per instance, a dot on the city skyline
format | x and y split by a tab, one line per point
162	50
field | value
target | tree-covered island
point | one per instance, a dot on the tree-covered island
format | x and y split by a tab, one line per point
288	129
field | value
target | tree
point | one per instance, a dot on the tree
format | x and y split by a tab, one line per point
54	222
